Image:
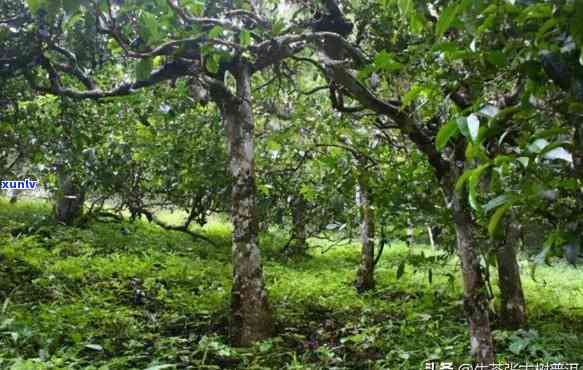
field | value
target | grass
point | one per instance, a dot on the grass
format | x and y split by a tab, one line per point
134	296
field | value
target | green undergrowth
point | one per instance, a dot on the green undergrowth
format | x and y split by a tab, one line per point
134	296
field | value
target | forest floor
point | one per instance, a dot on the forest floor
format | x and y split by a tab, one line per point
134	296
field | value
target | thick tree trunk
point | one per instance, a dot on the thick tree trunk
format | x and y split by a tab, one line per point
69	200
299	245
475	296
251	317
513	304
410	234
365	278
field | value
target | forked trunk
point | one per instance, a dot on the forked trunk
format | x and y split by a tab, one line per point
475	295
251	317
365	279
513	305
69	199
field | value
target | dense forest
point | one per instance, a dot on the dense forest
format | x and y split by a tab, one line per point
260	184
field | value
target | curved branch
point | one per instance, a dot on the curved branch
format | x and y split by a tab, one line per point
13	18
274	50
168	71
249	15
189	19
182	228
355	153
314	90
313	62
402	119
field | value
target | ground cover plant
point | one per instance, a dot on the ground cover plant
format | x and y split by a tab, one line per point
99	297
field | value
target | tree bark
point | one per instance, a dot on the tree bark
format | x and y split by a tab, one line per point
251	316
513	305
365	277
410	233
299	245
475	295
69	199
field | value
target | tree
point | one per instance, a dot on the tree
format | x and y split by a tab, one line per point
446	170
221	40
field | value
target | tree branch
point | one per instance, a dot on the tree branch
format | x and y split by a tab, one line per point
13	18
182	228
274	50
187	18
168	71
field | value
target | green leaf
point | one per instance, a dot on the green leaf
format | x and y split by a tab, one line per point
412	94
149	28
497	58
551	132
446	18
405	6
73	20
143	69
502	159
462	123
547	26
462	180
414	18
245	38
473	182
357	339
384	61
471	151
35	5
196	8
215	32
277	27
577	25
213	63
495	219
416	22
537	11
524	161
496	202
537	145
445	133
517	346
